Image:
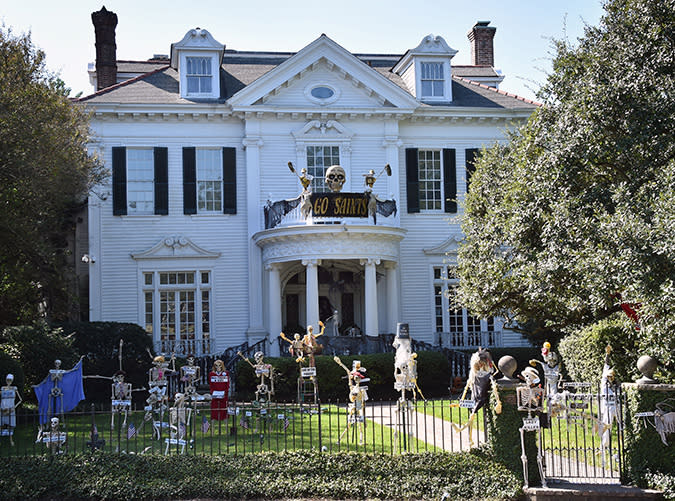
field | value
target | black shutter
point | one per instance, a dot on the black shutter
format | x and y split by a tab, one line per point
189	181
470	158
161	181
119	180
412	180
229	180
449	180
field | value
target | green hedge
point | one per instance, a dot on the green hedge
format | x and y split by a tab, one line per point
306	474
647	458
433	376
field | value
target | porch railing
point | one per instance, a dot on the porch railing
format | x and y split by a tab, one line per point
464	340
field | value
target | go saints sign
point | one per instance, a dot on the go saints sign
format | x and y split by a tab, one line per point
339	204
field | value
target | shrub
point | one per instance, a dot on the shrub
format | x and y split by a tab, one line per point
289	475
99	343
583	352
35	347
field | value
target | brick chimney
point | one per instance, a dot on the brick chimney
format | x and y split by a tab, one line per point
106	49
482	48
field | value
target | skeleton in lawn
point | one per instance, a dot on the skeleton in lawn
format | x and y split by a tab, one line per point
358	395
405	364
263	371
480	381
311	346
530	397
179	422
297	348
190	374
608	406
120	397
9	401
551	368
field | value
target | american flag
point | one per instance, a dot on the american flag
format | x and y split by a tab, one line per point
205	424
286	423
181	429
131	431
243	423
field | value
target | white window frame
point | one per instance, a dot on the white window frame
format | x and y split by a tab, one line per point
446	96
318	185
140	182
214	76
199	71
199	340
423	189
467	330
211	175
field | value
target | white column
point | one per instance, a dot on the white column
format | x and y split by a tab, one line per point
371	296
393	293
252	143
312	291
392	144
274	291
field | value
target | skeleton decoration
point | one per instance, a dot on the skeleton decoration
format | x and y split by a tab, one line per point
405	364
219	386
480	381
530	397
263	393
297	348
59	392
190	374
551	368
358	396
157	401
370	177
311	347
120	397
305	179
53	438
179	423
609	388
335	178
664	418
9	401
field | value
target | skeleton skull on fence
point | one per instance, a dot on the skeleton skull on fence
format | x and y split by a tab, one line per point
335	178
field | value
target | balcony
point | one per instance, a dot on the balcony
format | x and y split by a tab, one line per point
468	340
330	208
184	347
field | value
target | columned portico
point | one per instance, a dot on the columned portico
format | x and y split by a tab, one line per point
373	248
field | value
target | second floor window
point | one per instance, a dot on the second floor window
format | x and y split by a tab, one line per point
209	180
319	158
199	75
429	165
432	79
140	181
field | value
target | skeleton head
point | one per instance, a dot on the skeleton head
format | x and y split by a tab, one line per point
9	379
258	356
54	423
118	377
335	178
57	364
190	360
218	366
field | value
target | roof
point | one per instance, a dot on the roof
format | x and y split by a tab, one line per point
157	83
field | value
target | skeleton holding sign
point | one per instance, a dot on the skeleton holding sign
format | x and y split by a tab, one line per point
263	371
358	397
9	401
530	397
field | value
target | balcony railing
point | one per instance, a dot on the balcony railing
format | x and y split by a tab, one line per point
184	347
469	339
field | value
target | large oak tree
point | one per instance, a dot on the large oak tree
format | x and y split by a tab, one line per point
45	172
575	215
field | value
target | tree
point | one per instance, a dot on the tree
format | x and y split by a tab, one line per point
45	173
575	215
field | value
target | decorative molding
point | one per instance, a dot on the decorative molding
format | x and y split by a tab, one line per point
447	246
175	246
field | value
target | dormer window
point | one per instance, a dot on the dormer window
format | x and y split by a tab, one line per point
432	79
199	75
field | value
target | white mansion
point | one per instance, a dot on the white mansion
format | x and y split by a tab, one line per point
201	235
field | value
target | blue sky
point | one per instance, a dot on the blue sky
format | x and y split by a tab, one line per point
146	27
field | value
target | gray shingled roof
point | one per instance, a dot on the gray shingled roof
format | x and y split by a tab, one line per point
160	84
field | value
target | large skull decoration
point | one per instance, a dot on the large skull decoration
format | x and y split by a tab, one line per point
335	178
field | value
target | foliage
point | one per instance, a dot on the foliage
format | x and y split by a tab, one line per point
10	366
583	352
433	376
99	343
35	347
646	456
45	175
664	482
576	214
260	476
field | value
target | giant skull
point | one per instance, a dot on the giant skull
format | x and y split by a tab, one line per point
335	178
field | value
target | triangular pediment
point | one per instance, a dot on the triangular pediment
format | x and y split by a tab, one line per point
324	61
175	246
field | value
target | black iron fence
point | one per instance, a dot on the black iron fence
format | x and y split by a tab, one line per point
249	427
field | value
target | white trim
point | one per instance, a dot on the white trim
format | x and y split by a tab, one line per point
322	101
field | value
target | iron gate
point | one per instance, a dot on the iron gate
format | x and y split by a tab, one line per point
583	439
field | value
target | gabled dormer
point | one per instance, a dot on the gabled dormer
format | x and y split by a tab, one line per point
197	59
427	70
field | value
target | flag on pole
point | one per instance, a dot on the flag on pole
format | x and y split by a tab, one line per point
205	424
131	430
286	423
181	429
